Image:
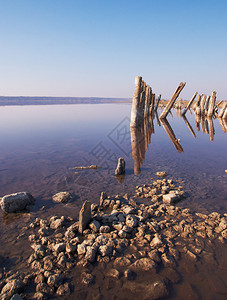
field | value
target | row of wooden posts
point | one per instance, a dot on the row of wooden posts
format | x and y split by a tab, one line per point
144	103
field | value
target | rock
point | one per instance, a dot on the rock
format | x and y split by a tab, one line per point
168	261
156	290
55	280
170	198
102	198
56	223
105	250
129	274
60	247
131	221
44	288
88	278
62	197
120	170
71	246
161	174
144	264
91	253
84	216
122	262
63	289
156	242
113	273
81	249
17	202
104	229
12	287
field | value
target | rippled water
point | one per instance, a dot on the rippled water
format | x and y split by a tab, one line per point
40	145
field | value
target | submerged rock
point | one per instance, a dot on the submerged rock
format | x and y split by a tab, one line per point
62	197
161	174
17	202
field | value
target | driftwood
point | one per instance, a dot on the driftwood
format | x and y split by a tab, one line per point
211	104
211	128
221	113
171	135
172	100
202	103
189	104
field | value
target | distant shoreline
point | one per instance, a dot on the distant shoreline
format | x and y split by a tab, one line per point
19	101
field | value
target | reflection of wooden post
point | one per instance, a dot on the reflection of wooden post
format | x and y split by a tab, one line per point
172	100
136	101
152	103
206	105
157	117
221	113
211	105
225	114
197	121
158	100
211	127
189	126
223	123
171	135
206	127
202	122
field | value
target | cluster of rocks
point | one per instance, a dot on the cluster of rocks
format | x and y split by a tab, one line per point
131	237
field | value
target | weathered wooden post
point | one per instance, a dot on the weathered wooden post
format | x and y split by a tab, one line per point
202	103
189	104
157	103
136	101
198	109
211	104
172	100
152	103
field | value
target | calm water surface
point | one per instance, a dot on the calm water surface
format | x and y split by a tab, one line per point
40	145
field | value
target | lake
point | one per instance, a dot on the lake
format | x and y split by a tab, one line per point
41	145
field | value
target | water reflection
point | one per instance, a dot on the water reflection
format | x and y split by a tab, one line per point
141	134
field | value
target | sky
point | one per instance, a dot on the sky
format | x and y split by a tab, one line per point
96	48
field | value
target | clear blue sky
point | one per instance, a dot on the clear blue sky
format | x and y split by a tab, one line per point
96	48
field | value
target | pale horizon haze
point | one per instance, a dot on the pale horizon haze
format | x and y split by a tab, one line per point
66	48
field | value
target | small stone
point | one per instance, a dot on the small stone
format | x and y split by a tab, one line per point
12	287
144	264
60	247
156	242
120	170
122	262
161	174
94	225
81	249
156	290
63	289
104	229
88	279
113	273
55	280
105	250
91	253
129	274
62	197
170	198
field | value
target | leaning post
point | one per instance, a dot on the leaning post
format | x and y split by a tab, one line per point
172	100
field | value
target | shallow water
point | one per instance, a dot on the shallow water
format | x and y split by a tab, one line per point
40	145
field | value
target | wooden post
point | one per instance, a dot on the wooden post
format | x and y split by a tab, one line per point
202	103
172	100
152	103
211	105
158	100
189	104
136	101
146	107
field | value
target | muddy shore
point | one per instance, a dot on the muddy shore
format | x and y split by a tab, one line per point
139	245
